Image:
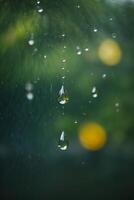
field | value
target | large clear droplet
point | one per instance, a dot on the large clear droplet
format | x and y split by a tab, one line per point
63	142
63	97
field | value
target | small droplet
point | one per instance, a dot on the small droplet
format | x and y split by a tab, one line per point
94	89
95	95
117	104
76	122
64	60
78	6
30	96
77	47
40	10
110	19
45	56
29	86
63	77
86	49
31	42
95	30
114	35
64	47
104	75
38	2
63	35
63	97
63	142
79	52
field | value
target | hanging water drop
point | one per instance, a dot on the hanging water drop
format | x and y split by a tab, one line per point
63	142
63	97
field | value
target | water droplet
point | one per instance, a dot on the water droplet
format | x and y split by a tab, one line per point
38	2
114	35
45	56
63	97
95	95
78	6
64	47
117	104
86	49
63	142
40	10
31	42
63	35
64	60
95	30
104	75
76	122
77	47
79	52
94	89
30	96
29	86
110	19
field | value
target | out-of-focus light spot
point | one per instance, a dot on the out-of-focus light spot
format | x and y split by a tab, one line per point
30	96
92	136
109	52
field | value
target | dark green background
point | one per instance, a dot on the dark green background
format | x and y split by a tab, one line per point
32	166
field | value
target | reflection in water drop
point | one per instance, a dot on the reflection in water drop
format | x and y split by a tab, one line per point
63	97
63	142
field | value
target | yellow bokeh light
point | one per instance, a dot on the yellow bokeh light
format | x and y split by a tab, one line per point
92	136
109	52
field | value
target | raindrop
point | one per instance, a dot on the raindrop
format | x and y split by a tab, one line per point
79	53
78	6
104	75
117	104
40	10
94	89
31	42
95	95
114	35
95	30
110	19
63	97
30	96
64	60
86	49
29	86
63	35
63	142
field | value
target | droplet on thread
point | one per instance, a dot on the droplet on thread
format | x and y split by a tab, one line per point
63	142
63	97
